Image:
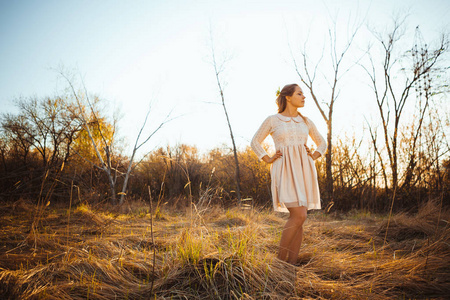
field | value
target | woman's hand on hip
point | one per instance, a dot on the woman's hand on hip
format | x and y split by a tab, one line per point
314	155
271	159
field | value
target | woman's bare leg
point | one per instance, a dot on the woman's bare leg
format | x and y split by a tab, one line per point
292	232
294	247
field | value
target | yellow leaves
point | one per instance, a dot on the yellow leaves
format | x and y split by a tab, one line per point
101	130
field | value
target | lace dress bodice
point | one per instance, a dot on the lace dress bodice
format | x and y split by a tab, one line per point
287	131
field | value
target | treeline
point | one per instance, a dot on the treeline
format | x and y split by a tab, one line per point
48	156
66	148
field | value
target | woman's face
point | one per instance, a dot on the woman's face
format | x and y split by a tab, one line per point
297	99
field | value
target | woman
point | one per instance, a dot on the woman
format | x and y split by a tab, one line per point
295	187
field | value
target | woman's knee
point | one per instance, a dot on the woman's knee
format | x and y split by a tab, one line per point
298	216
299	220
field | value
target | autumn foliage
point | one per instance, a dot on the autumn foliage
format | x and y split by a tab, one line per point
46	154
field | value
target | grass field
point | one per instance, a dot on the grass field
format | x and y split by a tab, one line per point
213	253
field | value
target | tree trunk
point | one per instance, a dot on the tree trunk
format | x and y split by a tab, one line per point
127	175
328	161
237	176
112	189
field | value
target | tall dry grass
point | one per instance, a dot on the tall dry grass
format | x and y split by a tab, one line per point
212	253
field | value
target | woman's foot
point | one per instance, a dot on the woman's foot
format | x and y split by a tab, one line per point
303	259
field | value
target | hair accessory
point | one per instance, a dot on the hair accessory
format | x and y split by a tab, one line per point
278	92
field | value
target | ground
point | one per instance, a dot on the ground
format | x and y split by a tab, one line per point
88	252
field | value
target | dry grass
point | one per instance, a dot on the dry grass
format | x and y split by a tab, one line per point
216	254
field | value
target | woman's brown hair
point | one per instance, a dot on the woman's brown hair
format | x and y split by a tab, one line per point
287	90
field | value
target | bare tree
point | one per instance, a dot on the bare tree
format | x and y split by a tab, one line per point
308	70
377	154
44	125
218	69
17	135
393	81
105	163
86	123
137	146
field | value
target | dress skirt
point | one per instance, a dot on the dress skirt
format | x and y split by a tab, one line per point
294	180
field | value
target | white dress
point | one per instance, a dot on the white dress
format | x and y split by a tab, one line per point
294	176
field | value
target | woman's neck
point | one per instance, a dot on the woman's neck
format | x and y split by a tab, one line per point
290	111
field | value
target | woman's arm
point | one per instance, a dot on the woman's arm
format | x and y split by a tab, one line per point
314	155
259	137
318	140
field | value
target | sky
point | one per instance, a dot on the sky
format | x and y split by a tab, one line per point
141	55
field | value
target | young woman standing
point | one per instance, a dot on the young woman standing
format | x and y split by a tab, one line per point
294	185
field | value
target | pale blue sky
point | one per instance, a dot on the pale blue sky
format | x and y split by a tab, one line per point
132	53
